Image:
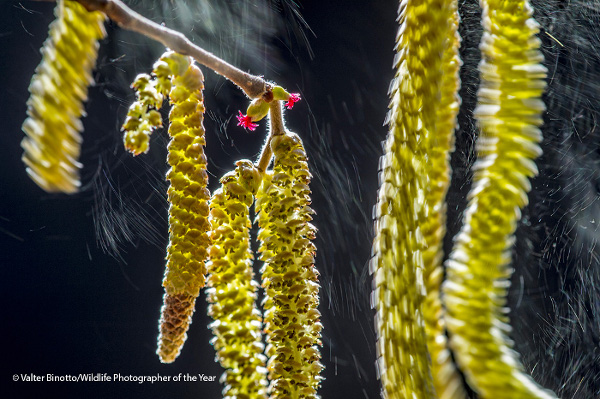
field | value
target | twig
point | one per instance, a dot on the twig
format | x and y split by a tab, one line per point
126	18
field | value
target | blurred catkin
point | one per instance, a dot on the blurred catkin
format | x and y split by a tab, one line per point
188	196
402	208
290	279
58	90
509	113
232	289
446	379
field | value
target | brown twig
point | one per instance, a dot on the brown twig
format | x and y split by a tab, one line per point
126	18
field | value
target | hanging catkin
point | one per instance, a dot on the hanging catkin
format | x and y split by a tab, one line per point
143	116
289	277
58	90
446	379
232	288
188	196
509	113
402	208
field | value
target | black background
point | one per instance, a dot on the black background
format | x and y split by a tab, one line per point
81	275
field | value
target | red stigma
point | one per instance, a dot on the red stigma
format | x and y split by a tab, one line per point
246	121
294	98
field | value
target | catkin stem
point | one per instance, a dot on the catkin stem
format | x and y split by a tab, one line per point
277	129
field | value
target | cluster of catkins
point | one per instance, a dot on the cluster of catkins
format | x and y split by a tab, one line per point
415	357
209	243
209	237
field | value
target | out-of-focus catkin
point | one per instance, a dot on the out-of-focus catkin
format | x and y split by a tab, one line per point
290	278
232	288
58	90
509	113
188	196
398	267
447	380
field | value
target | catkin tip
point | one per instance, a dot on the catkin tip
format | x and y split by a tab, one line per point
176	316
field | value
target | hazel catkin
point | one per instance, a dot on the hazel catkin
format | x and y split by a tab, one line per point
188	197
290	279
58	90
509	113
232	291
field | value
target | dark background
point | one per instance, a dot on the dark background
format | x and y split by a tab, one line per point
81	275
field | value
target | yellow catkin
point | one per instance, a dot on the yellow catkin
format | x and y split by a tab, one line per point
398	263
232	293
289	277
188	197
58	90
446	379
509	113
143	116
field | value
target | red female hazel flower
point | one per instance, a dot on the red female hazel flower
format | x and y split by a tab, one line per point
294	98
246	121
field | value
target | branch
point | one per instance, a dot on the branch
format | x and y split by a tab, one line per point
126	18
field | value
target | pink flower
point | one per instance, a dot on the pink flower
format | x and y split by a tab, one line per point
246	121
294	98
